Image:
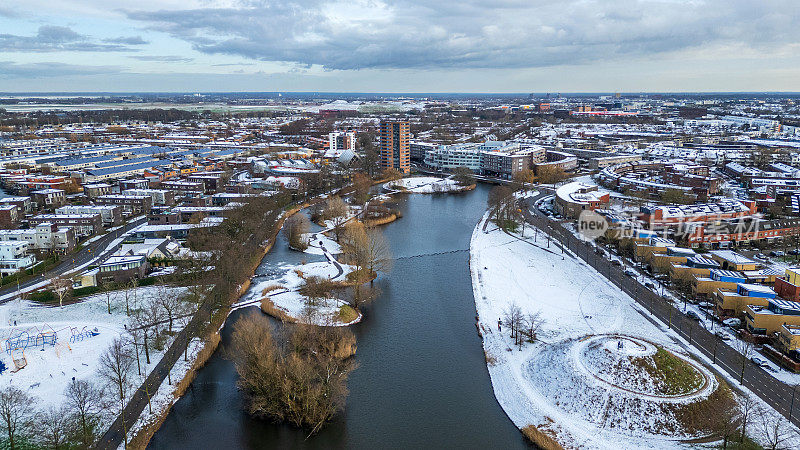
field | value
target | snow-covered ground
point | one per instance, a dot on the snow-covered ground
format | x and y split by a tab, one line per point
50	368
286	297
425	185
318	244
555	384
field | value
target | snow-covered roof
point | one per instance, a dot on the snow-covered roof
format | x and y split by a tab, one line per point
732	257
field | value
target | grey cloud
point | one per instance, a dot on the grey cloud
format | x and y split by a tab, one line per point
127	40
12	70
426	34
51	38
165	58
8	12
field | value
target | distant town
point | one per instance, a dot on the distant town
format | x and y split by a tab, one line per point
634	258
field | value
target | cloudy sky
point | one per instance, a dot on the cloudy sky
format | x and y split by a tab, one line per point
400	45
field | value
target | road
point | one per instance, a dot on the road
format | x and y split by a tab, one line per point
74	260
773	391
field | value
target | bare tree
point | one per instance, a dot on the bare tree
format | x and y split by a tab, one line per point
294	228
16	413
533	323
170	302
62	287
109	292
514	319
748	407
776	430
745	350
336	211
84	401
116	364
303	382
363	295
141	324
52	428
366	249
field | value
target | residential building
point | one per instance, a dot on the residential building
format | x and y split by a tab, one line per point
45	237
184	187
732	304
574	198
788	287
14	257
770	318
23	203
94	190
48	198
110	214
342	140
395	146
9	216
159	196
120	269
131	204
83	224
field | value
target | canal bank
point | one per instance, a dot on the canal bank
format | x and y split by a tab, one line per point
422	380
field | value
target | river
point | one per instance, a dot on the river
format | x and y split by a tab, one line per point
421	381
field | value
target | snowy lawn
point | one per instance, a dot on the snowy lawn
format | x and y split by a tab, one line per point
567	384
50	368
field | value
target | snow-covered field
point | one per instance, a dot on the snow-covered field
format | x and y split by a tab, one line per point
50	368
425	185
561	384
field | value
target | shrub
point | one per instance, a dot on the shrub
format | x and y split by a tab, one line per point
43	297
84	291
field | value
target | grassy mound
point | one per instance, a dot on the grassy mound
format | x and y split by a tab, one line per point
672	375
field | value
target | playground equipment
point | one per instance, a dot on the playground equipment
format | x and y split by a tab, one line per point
18	356
77	336
17	343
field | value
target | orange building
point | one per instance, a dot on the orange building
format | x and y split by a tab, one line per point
396	146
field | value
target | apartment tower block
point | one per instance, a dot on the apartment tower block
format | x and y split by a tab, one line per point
396	146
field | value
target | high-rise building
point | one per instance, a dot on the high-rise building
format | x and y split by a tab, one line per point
342	140
396	146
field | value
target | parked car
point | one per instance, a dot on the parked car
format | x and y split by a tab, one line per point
759	362
630	273
777	253
724	336
761	256
692	315
616	262
794	252
649	285
733	322
705	305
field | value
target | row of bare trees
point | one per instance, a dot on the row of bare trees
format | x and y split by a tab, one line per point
76	423
523	327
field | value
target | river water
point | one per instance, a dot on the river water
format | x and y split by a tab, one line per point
421	381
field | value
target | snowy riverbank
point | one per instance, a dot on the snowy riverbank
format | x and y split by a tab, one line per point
568	384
